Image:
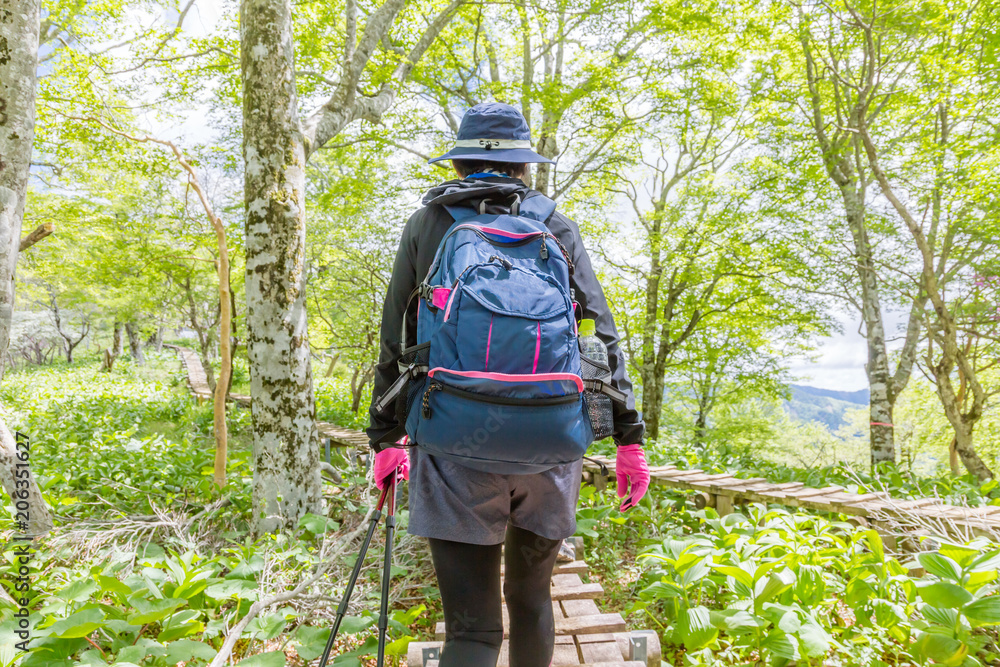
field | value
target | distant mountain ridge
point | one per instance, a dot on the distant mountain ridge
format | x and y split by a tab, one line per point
823	405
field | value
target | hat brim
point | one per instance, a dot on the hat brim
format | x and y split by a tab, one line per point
492	155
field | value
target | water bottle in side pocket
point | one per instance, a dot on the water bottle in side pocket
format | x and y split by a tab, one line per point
594	365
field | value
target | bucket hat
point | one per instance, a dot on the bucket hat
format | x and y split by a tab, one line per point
495	132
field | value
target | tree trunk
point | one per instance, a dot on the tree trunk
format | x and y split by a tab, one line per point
13	452
880	400
19	26
134	343
117	345
206	362
333	364
156	340
287	481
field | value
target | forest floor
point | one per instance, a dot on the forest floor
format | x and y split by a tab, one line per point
149	563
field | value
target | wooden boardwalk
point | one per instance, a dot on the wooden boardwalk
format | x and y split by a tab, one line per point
724	491
584	635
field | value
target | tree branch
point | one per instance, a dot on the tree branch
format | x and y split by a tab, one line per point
36	235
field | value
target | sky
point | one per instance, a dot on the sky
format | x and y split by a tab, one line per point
840	360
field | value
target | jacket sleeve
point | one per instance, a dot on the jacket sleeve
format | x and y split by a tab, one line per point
383	427
629	426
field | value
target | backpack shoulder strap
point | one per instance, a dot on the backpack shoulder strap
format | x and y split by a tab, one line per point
459	213
538	208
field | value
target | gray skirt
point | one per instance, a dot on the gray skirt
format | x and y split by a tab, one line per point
451	502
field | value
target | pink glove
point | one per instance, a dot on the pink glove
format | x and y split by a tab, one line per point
389	460
632	475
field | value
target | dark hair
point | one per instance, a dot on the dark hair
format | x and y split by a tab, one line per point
514	169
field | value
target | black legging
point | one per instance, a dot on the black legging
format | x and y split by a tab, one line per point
469	578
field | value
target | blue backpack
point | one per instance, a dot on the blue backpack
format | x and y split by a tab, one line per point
494	379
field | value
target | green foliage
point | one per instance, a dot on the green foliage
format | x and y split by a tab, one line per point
145	566
771	586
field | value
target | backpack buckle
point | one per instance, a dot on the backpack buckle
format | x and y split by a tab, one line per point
426	292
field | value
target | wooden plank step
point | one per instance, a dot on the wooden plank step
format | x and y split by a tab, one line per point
580	592
591	624
563	579
734	483
681	474
958	512
574	567
563	654
584	624
573	608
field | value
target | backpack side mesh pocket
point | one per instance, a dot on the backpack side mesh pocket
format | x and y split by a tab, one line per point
598	405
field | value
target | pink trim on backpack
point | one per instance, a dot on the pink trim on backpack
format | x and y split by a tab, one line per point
538	347
501	232
489	337
451	300
439	298
512	377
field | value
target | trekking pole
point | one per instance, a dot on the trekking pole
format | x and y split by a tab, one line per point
390	528
342	609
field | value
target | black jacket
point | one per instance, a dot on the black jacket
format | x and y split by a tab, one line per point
422	235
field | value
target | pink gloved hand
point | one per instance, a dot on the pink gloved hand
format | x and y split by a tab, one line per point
388	460
631	474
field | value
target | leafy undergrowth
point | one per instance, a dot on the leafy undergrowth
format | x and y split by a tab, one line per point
774	587
150	564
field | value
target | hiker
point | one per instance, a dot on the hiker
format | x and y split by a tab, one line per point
470	509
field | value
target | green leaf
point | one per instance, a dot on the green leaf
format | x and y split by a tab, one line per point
311	641
940	566
185	650
774	584
267	627
696	628
410	615
782	646
984	611
961	554
941	648
399	646
736	573
181	627
152	611
943	594
814	641
132	654
230	587
874	541
736	621
661	590
80	624
352	625
112	585
78	591
269	659
887	614
316	524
